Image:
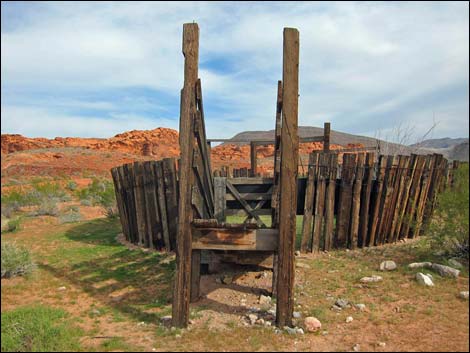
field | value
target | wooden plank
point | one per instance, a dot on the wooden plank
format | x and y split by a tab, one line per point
330	201
158	170
119	201
220	198
366	200
250	196
182	284
423	195
253	159
151	204
398	167
385	203
319	203
376	200
235	239
140	203
326	137
171	197
308	205
401	184
356	201
288	178
408	178
345	198
415	187
277	165
195	274
247	181
130	202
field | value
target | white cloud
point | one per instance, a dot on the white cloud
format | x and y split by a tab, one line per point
358	61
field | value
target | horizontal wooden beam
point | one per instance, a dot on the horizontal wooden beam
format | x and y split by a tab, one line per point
266	141
242	212
242	181
250	196
235	239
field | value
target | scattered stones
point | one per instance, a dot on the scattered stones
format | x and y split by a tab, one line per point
177	336
312	324
302	265
360	307
371	279
381	344
95	312
227	279
166	318
324	333
424	280
349	319
142	323
252	318
445	271
259	322
264	300
336	308
388	266
267	323
296	315
455	263
356	347
243	302
300	331
419	265
297	253
342	303
464	295
60	289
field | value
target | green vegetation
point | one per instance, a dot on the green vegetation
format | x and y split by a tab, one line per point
38	329
449	232
16	260
13	225
100	192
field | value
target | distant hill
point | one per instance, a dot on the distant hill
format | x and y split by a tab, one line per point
451	148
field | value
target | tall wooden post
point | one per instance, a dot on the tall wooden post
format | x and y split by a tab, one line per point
288	178
326	137
182	284
254	162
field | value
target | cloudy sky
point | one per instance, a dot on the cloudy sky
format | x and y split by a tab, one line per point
97	69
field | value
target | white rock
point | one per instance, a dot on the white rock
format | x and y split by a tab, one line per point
349	319
300	331
388	266
424	280
342	303
264	300
296	315
361	307
165	318
297	253
356	347
302	265
267	323
371	279
464	295
260	322
381	344
312	324
290	330
419	265
445	271
60	289
252	318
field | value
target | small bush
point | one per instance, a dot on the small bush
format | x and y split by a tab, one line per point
14	225
39	329
449	229
70	215
86	202
47	207
16	260
71	185
100	192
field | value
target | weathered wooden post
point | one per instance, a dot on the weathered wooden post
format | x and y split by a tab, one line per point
254	162
288	178
182	284
326	137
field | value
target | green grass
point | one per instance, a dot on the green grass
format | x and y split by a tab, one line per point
16	260
38	329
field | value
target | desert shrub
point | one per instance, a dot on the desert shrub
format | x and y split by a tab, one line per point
86	202
47	207
13	200
13	225
70	215
39	329
47	190
16	260
449	231
71	185
100	192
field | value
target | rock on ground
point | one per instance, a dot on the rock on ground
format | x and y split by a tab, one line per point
361	307
424	280
371	279
264	300
349	319
445	271
464	295
342	303
312	324
455	263
388	266
420	265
